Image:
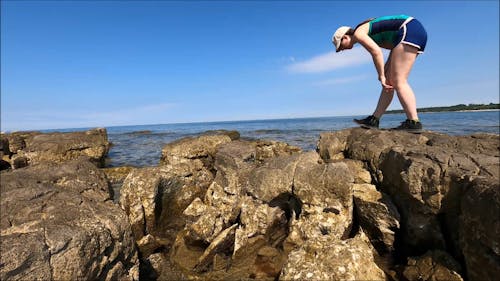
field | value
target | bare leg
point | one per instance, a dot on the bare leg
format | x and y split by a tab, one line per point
403	57
386	96
383	102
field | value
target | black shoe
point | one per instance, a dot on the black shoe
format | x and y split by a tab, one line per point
411	126
368	123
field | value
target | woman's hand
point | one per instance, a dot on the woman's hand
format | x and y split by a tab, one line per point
385	83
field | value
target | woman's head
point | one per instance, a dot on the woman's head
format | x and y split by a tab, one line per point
342	38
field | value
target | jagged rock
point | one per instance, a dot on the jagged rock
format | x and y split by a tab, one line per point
4	145
326	185
268	149
223	208
158	267
58	223
4	161
154	199
234	135
273	178
356	167
325	258
325	192
423	174
4	153
221	211
116	175
479	229
16	141
364	145
260	219
200	150
377	215
316	223
332	145
222	243
59	147
226	201
233	162
433	266
244	250
19	161
275	187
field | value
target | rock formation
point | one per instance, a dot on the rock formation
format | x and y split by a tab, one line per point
366	205
58	223
30	148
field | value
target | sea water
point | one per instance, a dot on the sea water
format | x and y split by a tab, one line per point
141	145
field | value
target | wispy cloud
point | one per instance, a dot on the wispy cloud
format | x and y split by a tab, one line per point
331	61
341	80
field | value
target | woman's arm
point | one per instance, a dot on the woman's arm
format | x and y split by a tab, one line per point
361	36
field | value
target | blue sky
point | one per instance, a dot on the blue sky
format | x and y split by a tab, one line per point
78	64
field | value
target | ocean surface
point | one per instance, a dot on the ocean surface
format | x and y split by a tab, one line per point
141	145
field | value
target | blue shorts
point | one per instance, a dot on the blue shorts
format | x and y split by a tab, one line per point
413	34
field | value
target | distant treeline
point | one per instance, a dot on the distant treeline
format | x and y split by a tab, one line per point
458	107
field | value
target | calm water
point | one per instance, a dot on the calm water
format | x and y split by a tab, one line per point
141	145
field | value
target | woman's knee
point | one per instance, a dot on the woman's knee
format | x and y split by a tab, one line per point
399	82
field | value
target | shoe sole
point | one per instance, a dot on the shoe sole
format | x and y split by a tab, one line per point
413	131
365	126
368	127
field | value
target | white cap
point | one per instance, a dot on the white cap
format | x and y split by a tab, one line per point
337	36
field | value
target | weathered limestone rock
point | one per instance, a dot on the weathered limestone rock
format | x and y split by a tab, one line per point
4	153
59	147
273	178
200	150
234	162
325	185
331	146
333	259
426	177
260	219
317	223
377	215
243	250
4	145
19	161
116	176
58	223
234	135
268	149
222	243
4	162
364	145
16	141
357	168
157	267
228	229
433	266
154	199
260	199
480	229
325	191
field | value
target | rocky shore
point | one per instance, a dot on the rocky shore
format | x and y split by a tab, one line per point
366	205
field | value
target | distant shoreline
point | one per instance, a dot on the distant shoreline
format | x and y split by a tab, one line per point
454	108
468	110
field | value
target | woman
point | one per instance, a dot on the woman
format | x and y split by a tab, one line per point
406	38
